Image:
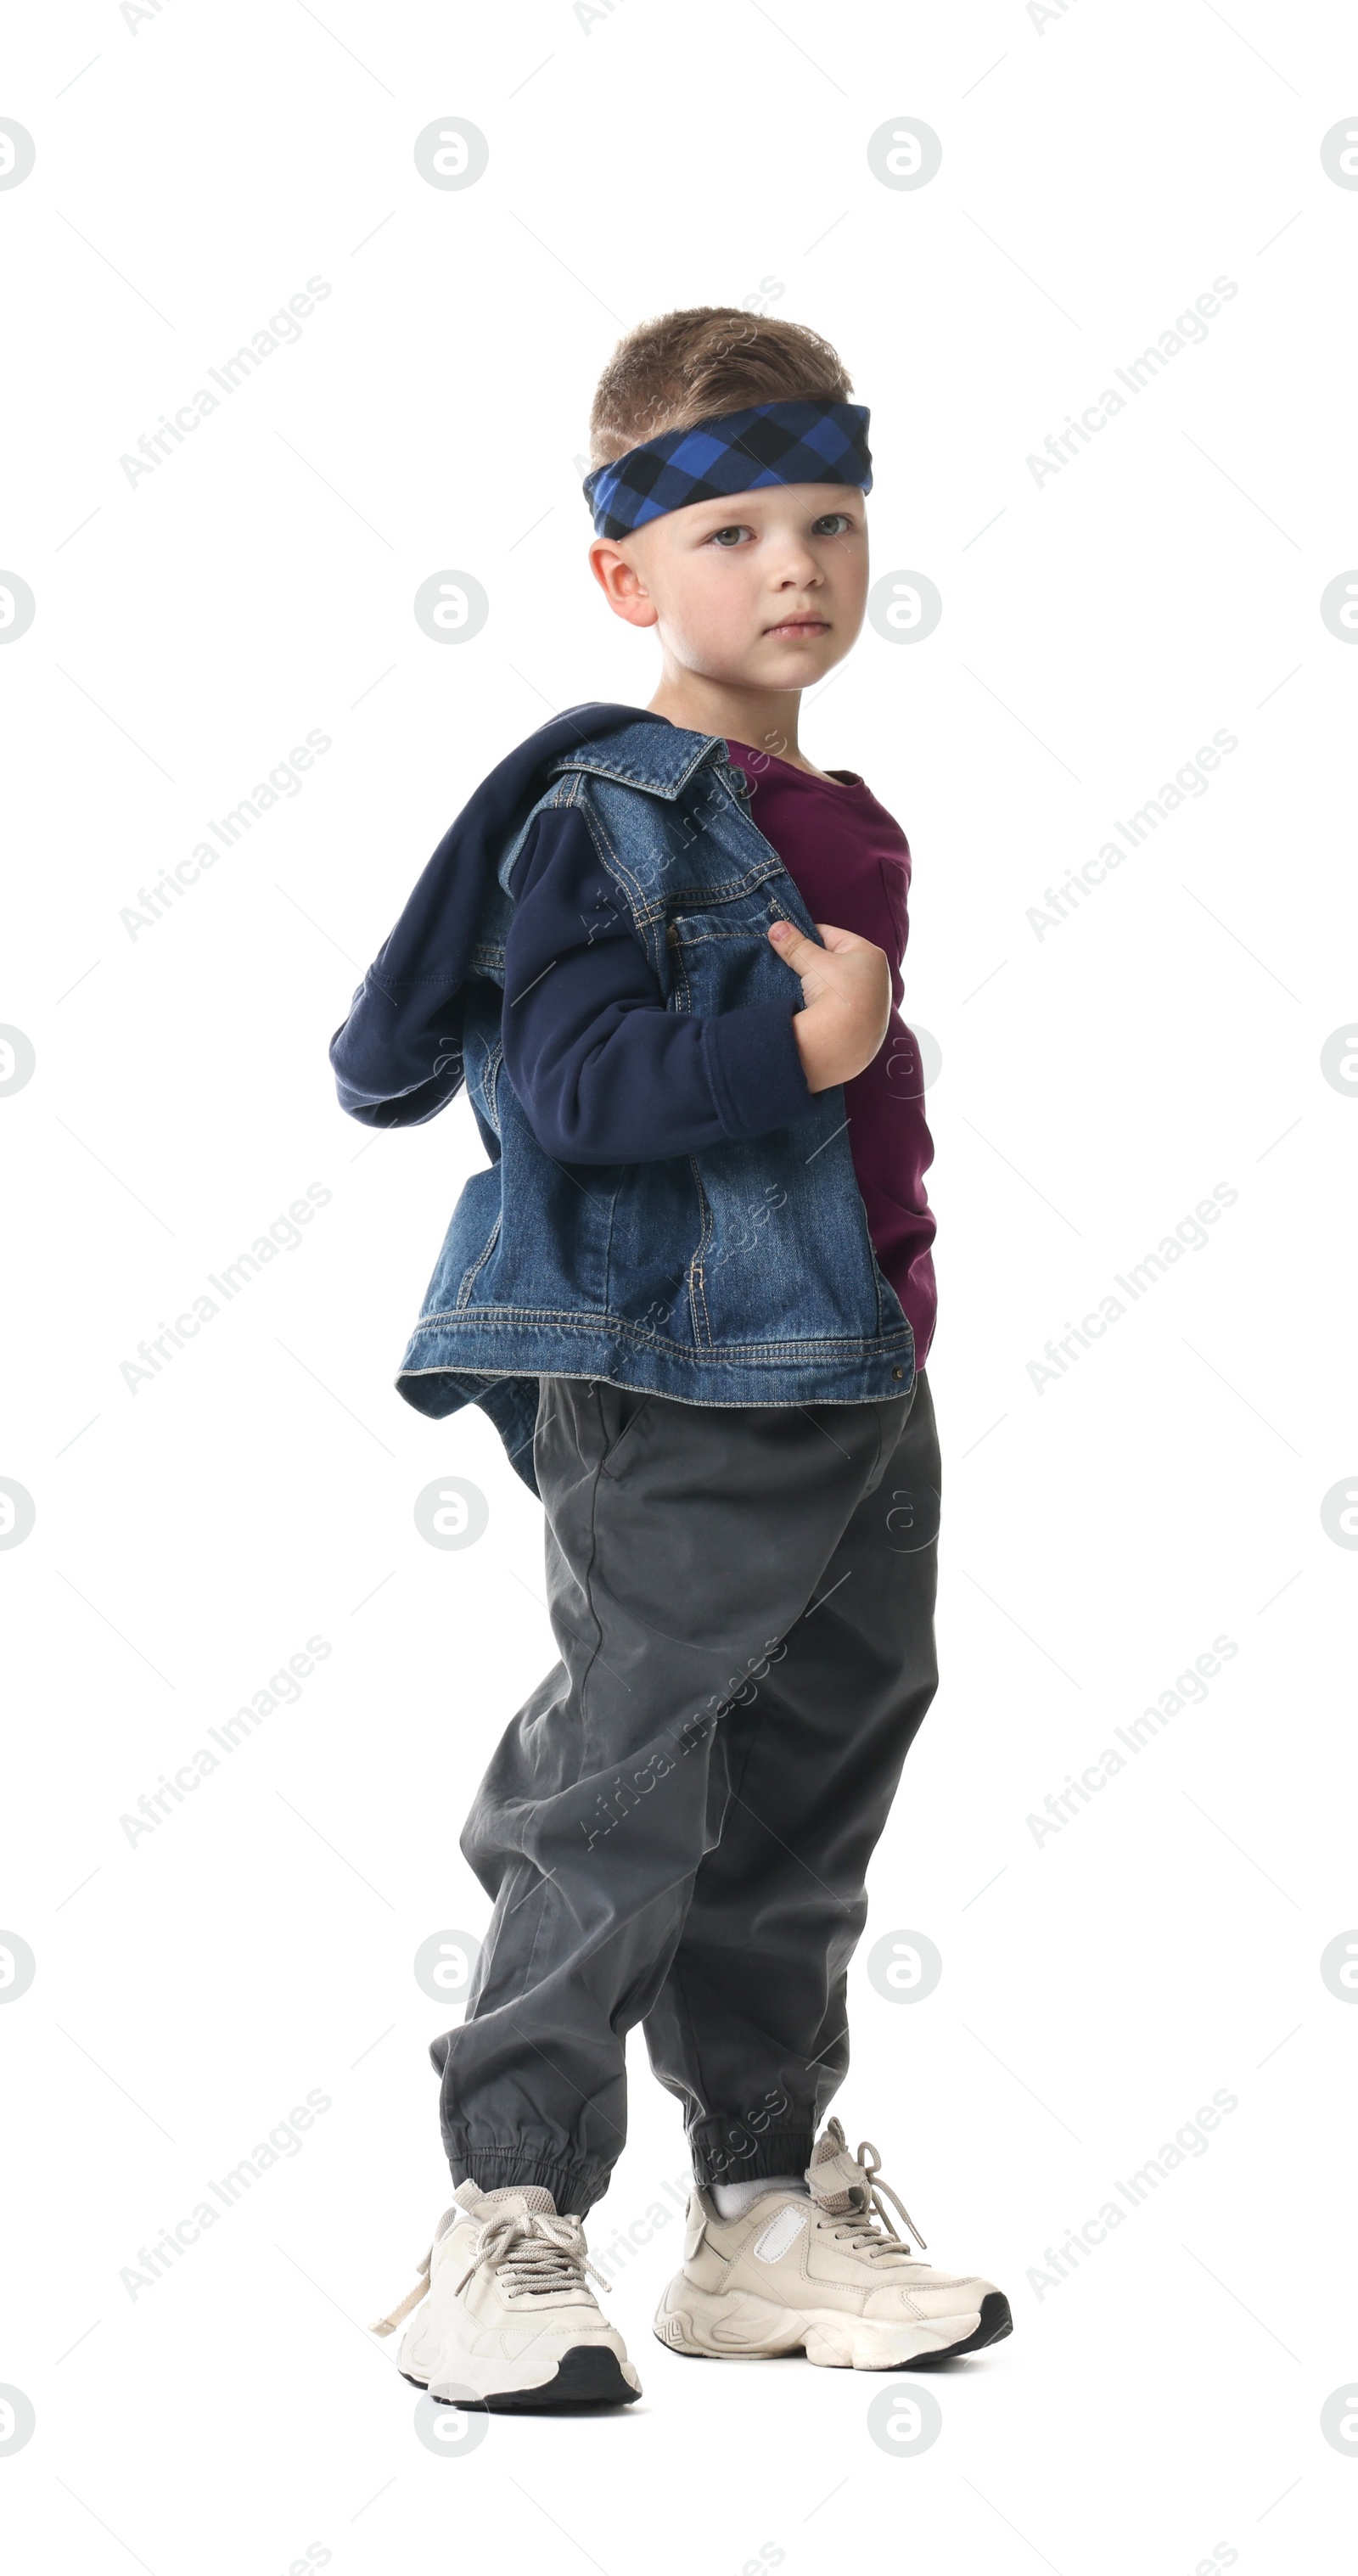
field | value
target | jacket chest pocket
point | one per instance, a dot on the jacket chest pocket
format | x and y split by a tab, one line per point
721	954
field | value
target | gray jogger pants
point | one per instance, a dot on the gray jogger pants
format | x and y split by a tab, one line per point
676	1827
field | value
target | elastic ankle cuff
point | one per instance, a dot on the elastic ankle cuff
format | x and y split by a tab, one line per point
722	2152
574	2187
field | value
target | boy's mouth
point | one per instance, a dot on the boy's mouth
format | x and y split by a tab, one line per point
800	626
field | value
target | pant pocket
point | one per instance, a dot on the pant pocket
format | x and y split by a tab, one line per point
622	1407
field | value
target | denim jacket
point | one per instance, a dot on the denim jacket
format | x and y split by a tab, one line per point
743	1274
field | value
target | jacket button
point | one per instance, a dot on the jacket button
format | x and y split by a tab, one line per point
898	1372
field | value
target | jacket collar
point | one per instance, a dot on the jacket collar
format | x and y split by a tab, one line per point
650	753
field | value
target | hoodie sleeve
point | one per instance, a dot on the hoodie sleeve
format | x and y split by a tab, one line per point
603	1072
397	1058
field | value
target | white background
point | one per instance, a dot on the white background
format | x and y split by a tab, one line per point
1098	172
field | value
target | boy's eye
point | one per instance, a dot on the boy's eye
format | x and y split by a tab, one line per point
834	523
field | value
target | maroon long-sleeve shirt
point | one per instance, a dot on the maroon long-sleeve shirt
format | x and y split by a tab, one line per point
850	862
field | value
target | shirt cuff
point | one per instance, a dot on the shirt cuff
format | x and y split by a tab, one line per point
755	1068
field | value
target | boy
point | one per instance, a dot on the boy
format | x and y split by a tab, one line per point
694	1292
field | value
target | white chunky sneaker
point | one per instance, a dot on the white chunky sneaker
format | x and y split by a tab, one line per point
507	2318
819	2275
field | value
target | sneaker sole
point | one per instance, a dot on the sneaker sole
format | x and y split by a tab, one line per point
996	2322
700	2327
586	2375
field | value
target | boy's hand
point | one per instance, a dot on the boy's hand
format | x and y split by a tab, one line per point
846	987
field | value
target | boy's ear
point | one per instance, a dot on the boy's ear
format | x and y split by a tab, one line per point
621	583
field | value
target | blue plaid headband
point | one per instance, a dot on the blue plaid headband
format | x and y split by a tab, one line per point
742	451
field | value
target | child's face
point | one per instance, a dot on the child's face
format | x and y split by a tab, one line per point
765	590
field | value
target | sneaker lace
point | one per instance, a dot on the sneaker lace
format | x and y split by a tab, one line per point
539	2252
859	2223
388	2324
536	2252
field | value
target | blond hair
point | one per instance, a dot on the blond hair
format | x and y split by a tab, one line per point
690	366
